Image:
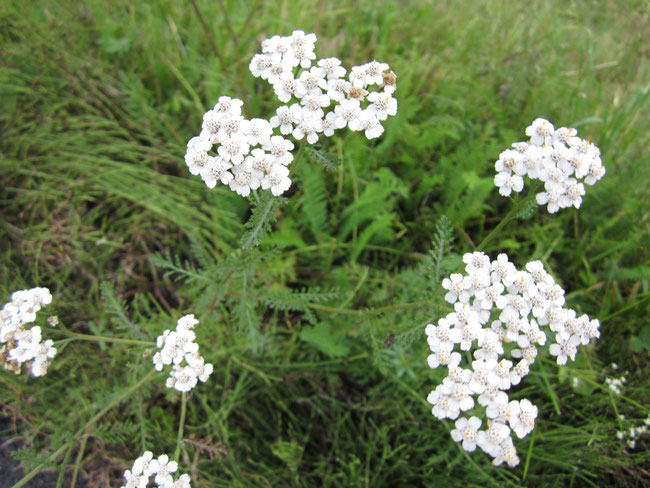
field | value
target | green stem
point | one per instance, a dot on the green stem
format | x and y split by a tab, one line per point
117	401
77	464
342	311
181	425
66	460
508	218
96	338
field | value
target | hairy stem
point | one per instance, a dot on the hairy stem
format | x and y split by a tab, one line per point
96	338
181	425
514	211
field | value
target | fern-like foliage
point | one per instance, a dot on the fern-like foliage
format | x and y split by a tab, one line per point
116	310
313	200
262	217
377	197
441	244
382	223
174	266
329	161
30	458
297	300
248	319
528	210
116	432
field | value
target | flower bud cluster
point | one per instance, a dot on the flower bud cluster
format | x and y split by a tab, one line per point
178	348
161	469
20	345
631	435
558	158
497	305
286	62
615	385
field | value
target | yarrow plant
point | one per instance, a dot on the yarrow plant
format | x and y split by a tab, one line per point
556	157
289	64
631	435
499	312
19	344
161	469
178	347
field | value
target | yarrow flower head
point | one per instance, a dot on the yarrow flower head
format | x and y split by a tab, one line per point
246	154
177	348
498	315
558	158
20	345
161	469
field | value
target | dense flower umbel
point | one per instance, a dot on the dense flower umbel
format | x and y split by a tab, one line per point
496	305
19	345
558	158
178	348
160	469
289	64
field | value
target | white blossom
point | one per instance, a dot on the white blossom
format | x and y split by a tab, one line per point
466	431
216	169
456	289
246	178
383	105
285	118
540	132
338	90
347	112
367	122
277	179
280	148
332	68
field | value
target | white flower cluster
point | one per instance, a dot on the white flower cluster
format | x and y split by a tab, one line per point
162	469
493	305
631	435
235	164
21	345
558	158
321	86
615	385
286	62
178	346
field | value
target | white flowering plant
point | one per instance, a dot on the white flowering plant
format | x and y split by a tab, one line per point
312	345
500	313
558	158
178	348
161	469
324	102
21	345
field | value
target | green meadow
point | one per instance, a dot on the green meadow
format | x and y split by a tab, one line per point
317	333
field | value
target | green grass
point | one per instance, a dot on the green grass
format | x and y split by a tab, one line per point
317	337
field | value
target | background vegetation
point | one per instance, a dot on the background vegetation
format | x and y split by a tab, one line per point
317	336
